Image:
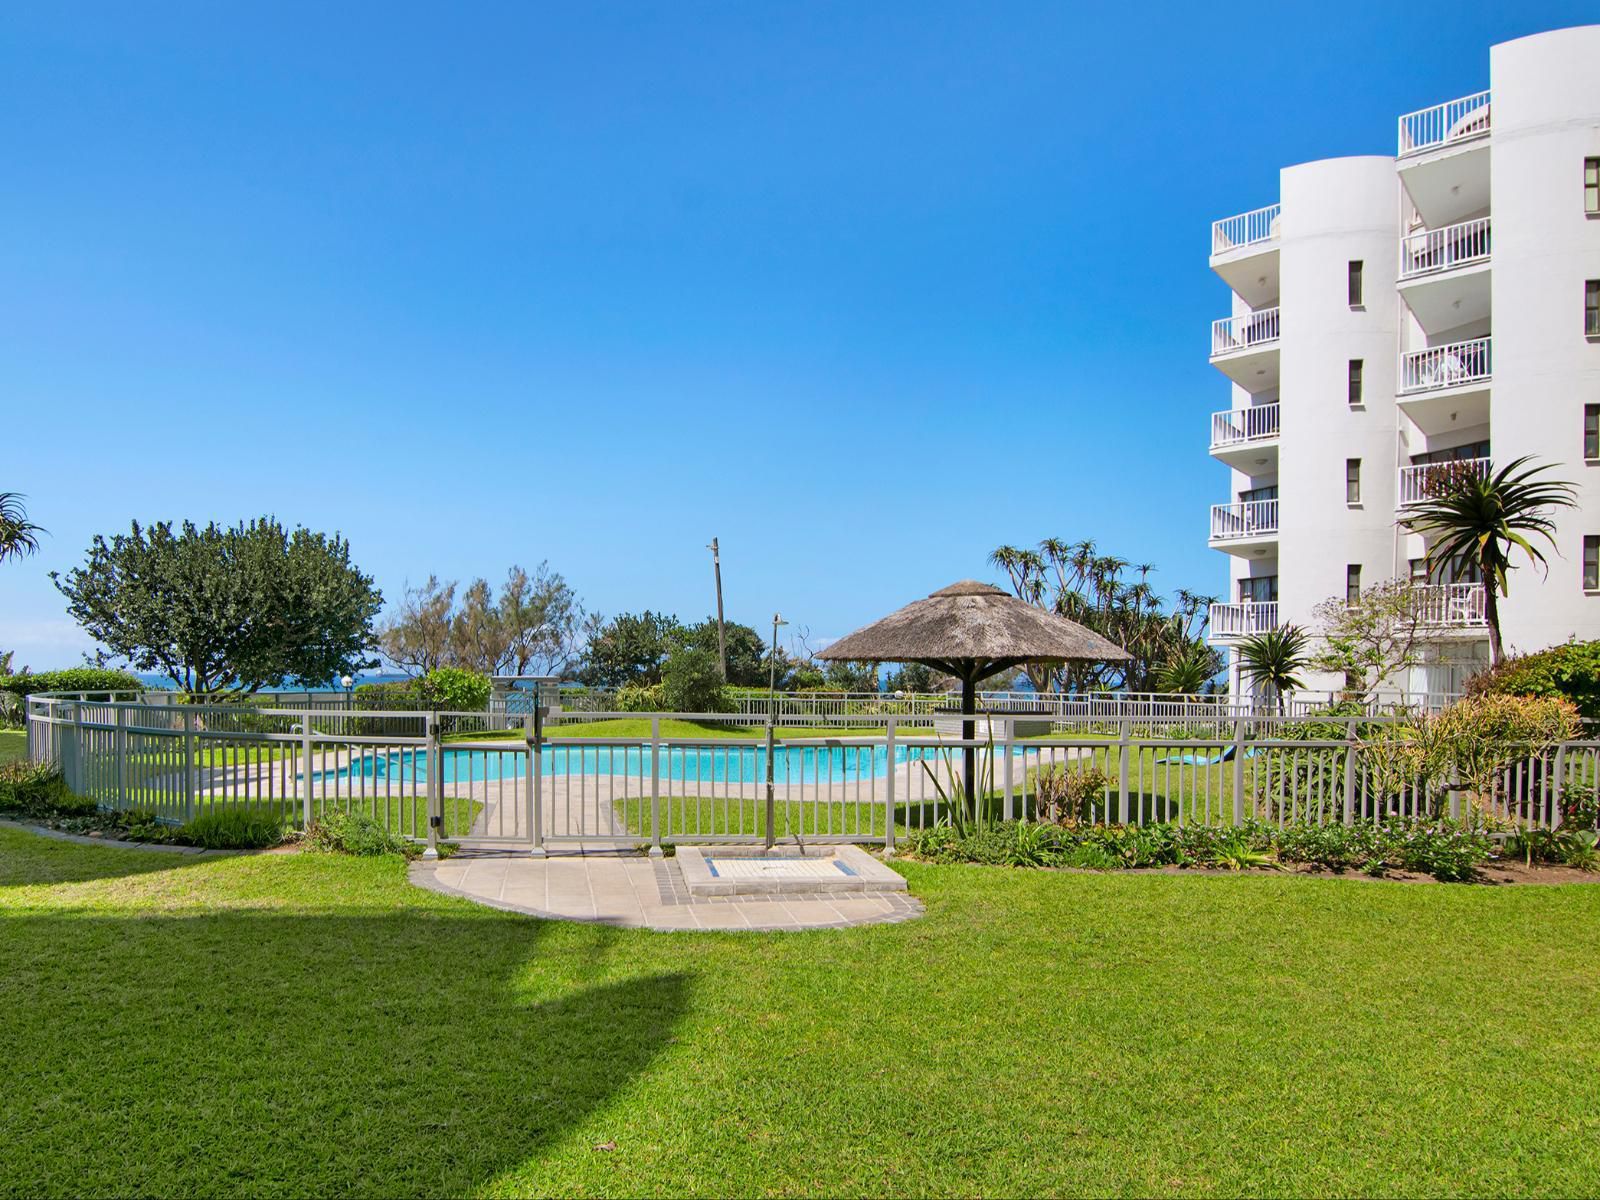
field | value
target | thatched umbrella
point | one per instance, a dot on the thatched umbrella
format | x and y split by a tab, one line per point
971	630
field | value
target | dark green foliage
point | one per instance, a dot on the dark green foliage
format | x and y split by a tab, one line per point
1446	851
635	697
917	678
233	829
352	833
747	653
691	682
35	790
95	681
453	689
226	609
1571	671
629	649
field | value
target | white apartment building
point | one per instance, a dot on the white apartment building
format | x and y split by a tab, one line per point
1392	314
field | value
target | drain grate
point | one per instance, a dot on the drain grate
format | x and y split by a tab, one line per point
777	868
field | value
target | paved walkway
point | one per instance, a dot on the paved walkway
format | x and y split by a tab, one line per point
630	890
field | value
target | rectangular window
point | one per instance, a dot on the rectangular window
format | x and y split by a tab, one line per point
1355	381
1419	570
1591	308
1591	563
1453	454
1591	431
1355	283
1352	481
1352	583
1269	492
1258	589
1591	186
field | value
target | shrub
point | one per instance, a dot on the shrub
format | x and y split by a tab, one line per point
74	679
1570	672
1071	794
37	790
634	697
233	829
691	682
453	689
1450	853
352	833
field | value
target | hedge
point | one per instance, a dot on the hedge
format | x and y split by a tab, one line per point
1571	671
73	679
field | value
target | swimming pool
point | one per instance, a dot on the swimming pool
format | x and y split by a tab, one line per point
720	764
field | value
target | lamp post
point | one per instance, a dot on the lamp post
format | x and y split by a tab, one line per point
772	712
722	633
347	683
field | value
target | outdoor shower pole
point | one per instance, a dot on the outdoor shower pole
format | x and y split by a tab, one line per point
722	633
772	713
969	705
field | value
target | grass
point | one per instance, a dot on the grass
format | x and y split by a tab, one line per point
310	1025
13	745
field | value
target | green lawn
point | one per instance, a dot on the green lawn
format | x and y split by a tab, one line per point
13	745
299	1024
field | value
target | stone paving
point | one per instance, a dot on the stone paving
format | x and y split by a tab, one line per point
634	891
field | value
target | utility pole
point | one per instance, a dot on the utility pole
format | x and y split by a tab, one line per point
722	633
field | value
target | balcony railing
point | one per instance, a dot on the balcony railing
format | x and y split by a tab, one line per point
1445	366
1433	479
1451	605
1432	250
1243	620
1246	229
1241	426
1243	519
1244	331
1443	124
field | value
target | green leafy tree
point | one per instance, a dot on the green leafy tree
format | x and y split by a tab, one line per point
917	678
629	649
1115	599
691	681
747	653
18	535
1370	639
417	636
226	609
540	620
1274	659
1482	519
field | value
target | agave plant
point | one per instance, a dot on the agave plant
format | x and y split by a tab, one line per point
1275	658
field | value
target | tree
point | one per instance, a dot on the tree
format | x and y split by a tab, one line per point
417	637
478	639
1074	580
918	678
1480	518
691	681
1370	639
18	535
747	653
629	649
540	620
1189	671
1274	659
232	609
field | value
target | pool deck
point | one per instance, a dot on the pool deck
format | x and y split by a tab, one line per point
628	890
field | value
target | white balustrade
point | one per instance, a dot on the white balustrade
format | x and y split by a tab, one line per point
1245	229
1243	519
1430	250
1240	426
1445	366
1244	331
1444	124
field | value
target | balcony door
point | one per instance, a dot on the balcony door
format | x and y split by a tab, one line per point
1259	589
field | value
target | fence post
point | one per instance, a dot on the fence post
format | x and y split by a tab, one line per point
1238	771
306	803
1555	809
1350	773
655	788
188	765
122	757
1124	734
435	786
535	734
888	791
1007	748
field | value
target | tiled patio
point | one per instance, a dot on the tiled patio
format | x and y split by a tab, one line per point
630	890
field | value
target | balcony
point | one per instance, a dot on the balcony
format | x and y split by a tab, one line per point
1457	365
1233	621
1245	527
1430	479
1451	605
1445	124
1245	348
1244	251
1433	250
1241	437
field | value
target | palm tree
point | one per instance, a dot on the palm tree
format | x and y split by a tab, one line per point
1274	659
1188	669
1479	518
18	535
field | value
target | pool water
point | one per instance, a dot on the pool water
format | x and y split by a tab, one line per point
734	764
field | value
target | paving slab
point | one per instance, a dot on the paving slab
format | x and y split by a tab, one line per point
630	890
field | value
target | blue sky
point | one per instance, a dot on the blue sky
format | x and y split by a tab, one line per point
862	289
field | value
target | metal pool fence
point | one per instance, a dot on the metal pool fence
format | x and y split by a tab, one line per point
508	780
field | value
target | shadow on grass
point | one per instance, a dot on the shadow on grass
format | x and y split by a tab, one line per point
241	1052
28	858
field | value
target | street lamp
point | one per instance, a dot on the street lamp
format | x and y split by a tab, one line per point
772	711
347	683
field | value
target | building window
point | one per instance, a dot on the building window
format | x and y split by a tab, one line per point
1591	186
1591	563
1355	283
1355	381
1258	589
1591	308
1270	492
1419	570
1352	583
1454	454
1591	431
1352	481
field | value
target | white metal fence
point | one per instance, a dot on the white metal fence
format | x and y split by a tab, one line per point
1446	366
1243	519
1243	620
1444	124
1244	331
1245	229
1430	479
1452	605
488	779
1430	250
